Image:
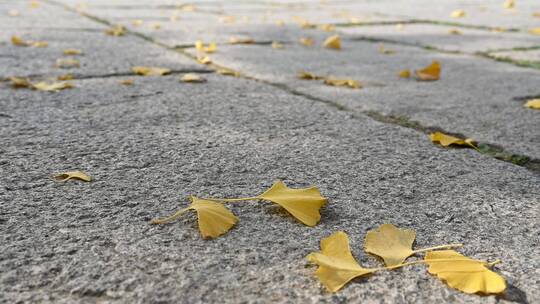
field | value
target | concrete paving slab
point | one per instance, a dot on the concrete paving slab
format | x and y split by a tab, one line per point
445	37
475	96
149	145
524	55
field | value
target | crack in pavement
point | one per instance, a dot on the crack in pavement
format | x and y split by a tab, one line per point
488	149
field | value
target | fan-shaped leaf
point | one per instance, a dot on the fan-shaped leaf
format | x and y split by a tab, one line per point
392	244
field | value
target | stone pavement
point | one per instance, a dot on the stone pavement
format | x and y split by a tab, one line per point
150	145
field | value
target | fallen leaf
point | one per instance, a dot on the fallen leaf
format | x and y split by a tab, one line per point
392	244
156	26
227	19
211	48
332	42
72	52
55	86
533	103
40	44
326	27
190	77
509	4
137	22
65	77
276	45
117	30
353	84
150	71
535	31
214	219
536	14
385	51
337	266
34	4
307	41
458	14
405	74
67	63
429	73
308	76
228	72
447	140
303	204
238	40
187	7
454	32
463	273
19	82
127	82
62	177
204	59
16	40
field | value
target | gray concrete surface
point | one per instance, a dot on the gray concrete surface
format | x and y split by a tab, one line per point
150	145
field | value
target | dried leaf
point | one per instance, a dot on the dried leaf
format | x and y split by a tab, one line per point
211	48
156	26
117	30
385	51
150	71
463	273
67	63
454	32
533	103
55	86
276	45
227	19
458	13
204	59
429	73
214	219
307	41
65	77
40	44
18	82
239	40
326	27
536	14
228	72
190	77
308	76
62	177
34	4
303	204
353	84
127	82
332	42
447	140
405	74
509	4
137	22
535	31
16	40
392	244
72	52
337	266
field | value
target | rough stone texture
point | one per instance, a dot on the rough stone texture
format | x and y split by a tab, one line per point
150	145
525	55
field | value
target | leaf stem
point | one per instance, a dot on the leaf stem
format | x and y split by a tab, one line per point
438	247
164	220
436	261
230	200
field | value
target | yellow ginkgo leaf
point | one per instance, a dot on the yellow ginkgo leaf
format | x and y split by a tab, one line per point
16	40
204	59
430	73
137	22
447	140
535	31
307	41
65	77
127	82
463	273
55	86
67	63
326	27
40	44
241	40
72	52
214	219
337	266
404	74
458	13
353	84
533	103
191	77
332	42
509	4
385	51
277	45
308	76
62	177
228	72
117	30
536	14
303	204
454	32
392	244
150	71
19	82
211	48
